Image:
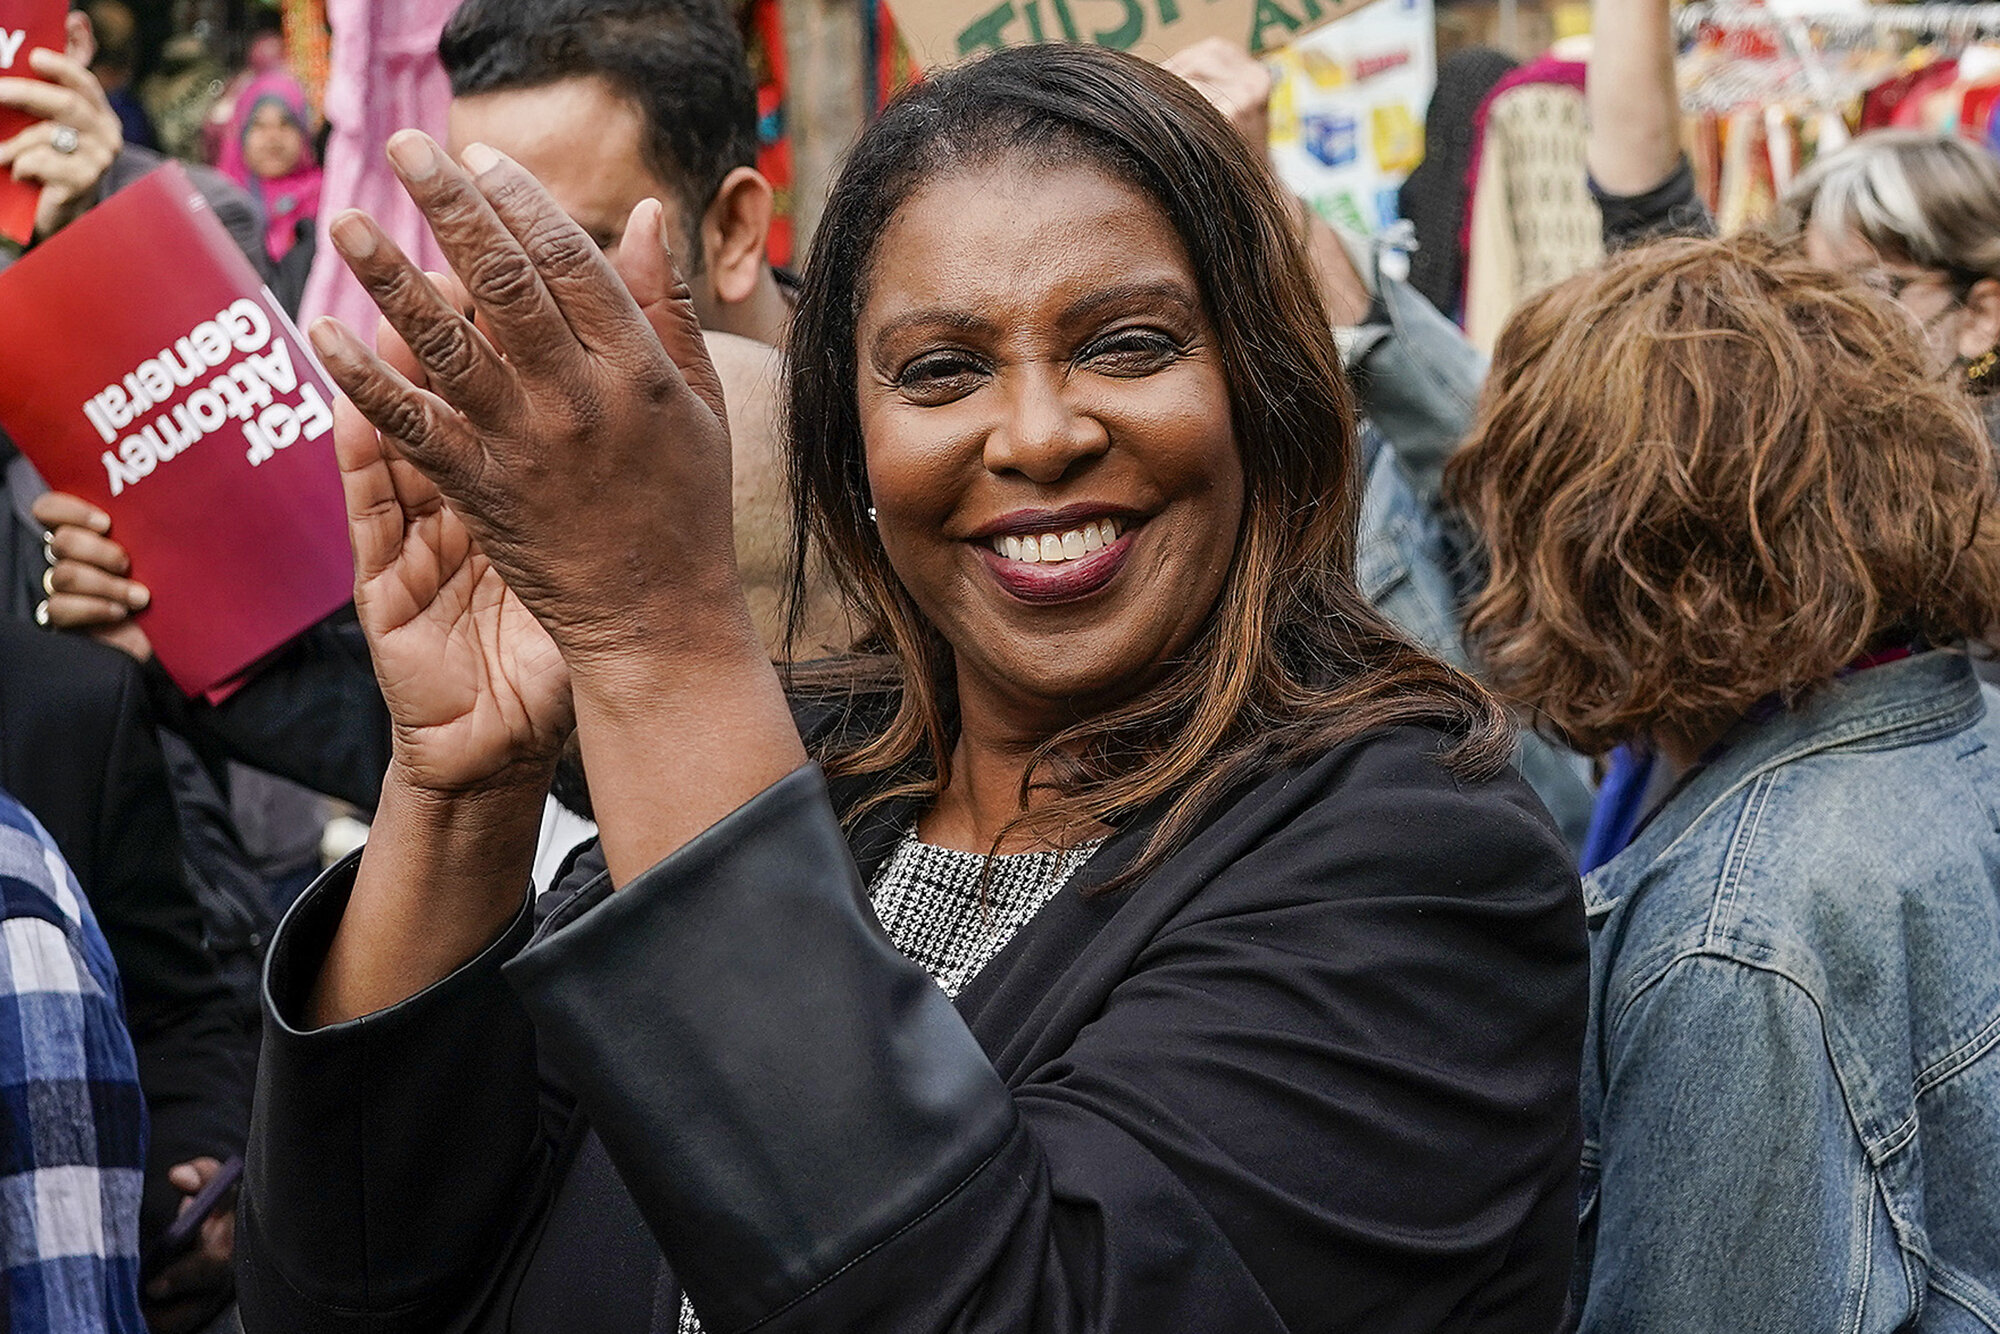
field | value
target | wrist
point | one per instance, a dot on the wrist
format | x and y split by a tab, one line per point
672	745
443	873
486	832
510	795
628	670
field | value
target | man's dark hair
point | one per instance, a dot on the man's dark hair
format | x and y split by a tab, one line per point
680	62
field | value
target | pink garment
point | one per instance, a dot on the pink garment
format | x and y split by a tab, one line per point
384	76
286	200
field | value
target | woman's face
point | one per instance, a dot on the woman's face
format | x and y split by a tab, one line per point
272	145
1928	294
1050	448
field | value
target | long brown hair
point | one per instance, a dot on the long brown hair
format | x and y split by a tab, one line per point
1292	659
1711	473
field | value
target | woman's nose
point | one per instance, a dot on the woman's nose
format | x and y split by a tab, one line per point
1043	434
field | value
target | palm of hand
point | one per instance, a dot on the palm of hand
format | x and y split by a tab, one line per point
473	683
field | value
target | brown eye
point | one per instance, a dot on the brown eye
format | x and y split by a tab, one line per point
1133	352
940	377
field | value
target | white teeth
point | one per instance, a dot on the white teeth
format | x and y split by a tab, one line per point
1048	548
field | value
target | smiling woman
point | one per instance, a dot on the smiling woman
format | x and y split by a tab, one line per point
1218	975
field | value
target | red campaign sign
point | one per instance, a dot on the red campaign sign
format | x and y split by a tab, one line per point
149	371
24	26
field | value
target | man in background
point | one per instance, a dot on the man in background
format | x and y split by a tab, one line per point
608	102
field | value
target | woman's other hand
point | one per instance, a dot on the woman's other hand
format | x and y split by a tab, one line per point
584	448
479	702
89	585
1235	83
474	685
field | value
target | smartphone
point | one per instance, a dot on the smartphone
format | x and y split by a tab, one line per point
184	1231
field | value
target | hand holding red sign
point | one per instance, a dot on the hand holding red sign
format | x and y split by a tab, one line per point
160	383
25	26
69	148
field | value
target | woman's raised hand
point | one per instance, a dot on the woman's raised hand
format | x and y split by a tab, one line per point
573	429
474	685
579	439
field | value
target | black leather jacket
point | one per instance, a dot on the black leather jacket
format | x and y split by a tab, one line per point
1318	1072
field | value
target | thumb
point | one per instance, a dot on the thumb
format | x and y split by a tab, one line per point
189	1177
645	261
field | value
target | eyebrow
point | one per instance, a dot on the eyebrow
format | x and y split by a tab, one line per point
1167	291
956	321
1162	290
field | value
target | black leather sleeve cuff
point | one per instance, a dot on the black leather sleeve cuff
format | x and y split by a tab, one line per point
779	1088
387	1155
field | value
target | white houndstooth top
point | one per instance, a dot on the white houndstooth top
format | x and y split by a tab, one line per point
934	906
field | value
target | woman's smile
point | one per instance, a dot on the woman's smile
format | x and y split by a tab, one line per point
1073	571
1056	556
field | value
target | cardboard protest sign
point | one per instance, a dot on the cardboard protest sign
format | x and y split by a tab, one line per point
149	371
24	26
941	31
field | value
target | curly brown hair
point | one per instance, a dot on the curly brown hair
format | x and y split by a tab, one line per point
1708	473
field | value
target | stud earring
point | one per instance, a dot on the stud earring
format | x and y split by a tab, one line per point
871	514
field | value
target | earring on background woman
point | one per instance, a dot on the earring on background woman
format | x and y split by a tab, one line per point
1979	373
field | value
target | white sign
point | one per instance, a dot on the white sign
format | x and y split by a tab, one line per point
1347	115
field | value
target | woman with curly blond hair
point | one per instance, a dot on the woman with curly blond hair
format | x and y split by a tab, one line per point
1747	547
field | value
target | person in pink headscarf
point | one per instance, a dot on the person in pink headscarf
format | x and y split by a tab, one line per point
268	151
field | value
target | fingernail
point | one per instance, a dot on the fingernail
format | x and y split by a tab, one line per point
352	234
414	154
324	334
479	159
98	520
140	597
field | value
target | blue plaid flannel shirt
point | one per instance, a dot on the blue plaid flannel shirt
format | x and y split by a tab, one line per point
72	1120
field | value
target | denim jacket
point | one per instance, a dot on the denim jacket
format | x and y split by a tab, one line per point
1791	1086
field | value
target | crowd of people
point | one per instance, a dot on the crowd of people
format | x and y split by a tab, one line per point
1082	763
